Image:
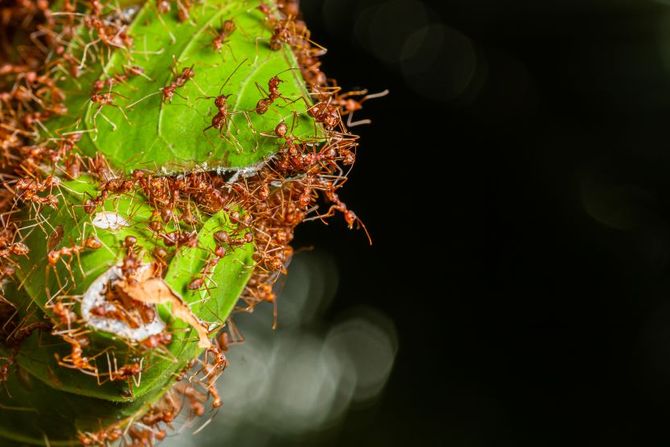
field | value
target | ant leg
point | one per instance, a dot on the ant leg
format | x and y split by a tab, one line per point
106	119
122	112
307	103
260	89
82	64
293	121
232	53
356	123
138	381
353	93
173	39
198	87
250	124
142	99
375	95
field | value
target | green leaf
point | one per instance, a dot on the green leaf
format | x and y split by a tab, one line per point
142	131
33	413
72	277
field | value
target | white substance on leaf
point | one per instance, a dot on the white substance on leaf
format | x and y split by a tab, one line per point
95	296
109	220
242	172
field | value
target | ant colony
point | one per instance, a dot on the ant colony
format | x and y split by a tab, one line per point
156	160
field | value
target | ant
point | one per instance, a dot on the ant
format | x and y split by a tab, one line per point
326	113
155	416
212	369
119	78
163	6
160	259
76	358
220	120
183	7
100	84
130	372
63	313
194	397
222	117
179	238
31	188
54	255
281	34
264	104
106	99
102	437
228	336
65	145
156	340
290	7
207	270
281	30
227	28
132	261
224	238
4	368
169	90
337	205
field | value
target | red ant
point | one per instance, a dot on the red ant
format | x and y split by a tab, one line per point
54	255
163	6
195	398
65	145
132	261
264	104
4	368
154	341
126	372
179	238
265	9
31	188
220	120
105	99
102	437
282	33
134	70
76	358
326	113
207	270
130	372
183	7
224	238
290	7
227	28
169	90
160	258
63	313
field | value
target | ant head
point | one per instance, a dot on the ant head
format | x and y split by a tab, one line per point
220	100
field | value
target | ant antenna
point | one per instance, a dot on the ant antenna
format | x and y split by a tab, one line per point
231	74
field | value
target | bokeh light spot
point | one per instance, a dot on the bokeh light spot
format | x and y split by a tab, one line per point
383	29
368	345
439	62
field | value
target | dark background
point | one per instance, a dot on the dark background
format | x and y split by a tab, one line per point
516	186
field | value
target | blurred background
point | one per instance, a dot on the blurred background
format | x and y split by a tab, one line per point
534	309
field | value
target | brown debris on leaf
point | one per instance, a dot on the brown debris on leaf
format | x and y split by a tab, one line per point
156	291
